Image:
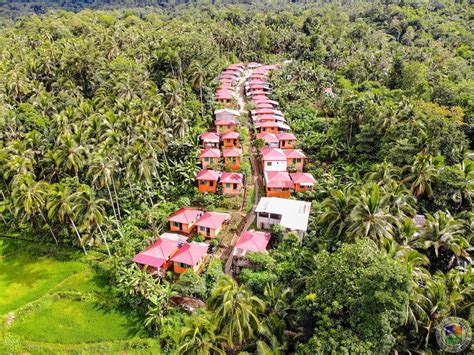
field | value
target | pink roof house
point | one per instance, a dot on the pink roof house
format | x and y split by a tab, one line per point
232	158
230	139
278	184
158	254
184	220
231	183
286	140
273	159
207	180
295	158
209	157
226	125
189	257
210	140
211	223
303	181
270	139
252	242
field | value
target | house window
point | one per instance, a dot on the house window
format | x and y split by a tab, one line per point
228	141
203	229
263	214
175	224
228	126
274	216
297	160
203	182
227	185
184	266
269	163
206	159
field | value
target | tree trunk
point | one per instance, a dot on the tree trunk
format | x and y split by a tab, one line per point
78	235
149	193
50	229
111	201
116	198
105	240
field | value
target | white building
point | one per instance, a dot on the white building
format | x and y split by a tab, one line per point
291	214
273	159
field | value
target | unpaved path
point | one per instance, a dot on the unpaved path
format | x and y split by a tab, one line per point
255	178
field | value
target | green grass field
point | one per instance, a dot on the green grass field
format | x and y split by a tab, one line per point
52	300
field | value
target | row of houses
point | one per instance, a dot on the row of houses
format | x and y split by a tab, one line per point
223	147
279	156
228	78
172	251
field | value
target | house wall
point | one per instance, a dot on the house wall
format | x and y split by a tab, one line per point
299	188
230	190
231	144
266	222
272	145
213	232
207	145
268	130
210	163
229	164
225	128
179	270
299	166
185	228
207	187
275	165
283	193
285	144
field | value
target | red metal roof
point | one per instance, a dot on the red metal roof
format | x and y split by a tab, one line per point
286	136
231	152
230	135
294	153
225	122
278	179
191	253
303	178
253	241
160	251
212	219
185	215
262	117
268	137
260	105
210	136
232	178
210	153
272	154
208	175
266	124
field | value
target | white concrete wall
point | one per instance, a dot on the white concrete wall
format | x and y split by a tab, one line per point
276	166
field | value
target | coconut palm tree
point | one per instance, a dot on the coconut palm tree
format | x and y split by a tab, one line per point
370	216
237	311
93	213
445	236
422	173
60	204
335	211
29	198
200	337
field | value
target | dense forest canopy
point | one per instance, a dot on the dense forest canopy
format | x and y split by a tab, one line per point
100	114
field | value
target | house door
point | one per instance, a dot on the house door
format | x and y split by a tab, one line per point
211	183
180	225
208	232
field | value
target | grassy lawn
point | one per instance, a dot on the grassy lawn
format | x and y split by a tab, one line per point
52	300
